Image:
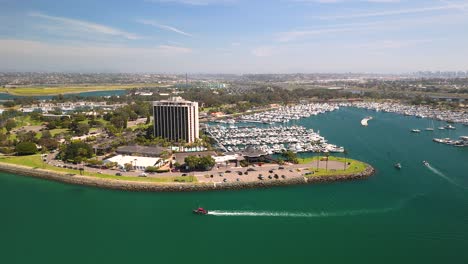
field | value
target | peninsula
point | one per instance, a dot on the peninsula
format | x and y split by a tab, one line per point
308	171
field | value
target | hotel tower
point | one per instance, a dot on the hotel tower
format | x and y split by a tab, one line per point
176	119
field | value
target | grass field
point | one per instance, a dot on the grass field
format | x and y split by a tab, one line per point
354	167
55	90
34	161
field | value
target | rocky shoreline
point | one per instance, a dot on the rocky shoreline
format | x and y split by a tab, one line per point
137	186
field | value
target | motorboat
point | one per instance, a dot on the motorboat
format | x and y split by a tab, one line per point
398	166
415	130
200	211
450	127
425	163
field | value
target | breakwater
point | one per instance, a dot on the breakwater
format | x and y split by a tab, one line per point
141	186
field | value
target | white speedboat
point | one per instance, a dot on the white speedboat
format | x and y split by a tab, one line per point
415	130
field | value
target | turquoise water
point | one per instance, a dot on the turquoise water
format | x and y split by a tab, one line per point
416	215
5	96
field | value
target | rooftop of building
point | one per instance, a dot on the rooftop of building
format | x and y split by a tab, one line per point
173	100
134	160
152	151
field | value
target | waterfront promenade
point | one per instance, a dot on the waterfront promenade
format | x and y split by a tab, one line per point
216	179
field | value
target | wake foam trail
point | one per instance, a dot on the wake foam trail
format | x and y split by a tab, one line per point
443	176
322	214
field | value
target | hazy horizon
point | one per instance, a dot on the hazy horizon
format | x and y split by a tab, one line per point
234	36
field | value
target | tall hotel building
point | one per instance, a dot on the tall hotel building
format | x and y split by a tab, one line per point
176	119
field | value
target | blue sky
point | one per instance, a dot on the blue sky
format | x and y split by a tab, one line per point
233	36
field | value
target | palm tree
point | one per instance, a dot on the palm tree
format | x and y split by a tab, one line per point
326	164
345	153
318	159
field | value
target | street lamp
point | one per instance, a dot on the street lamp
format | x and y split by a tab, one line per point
135	160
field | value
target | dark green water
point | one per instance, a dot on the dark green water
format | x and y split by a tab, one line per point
416	215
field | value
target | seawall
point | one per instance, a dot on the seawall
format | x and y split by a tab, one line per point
138	186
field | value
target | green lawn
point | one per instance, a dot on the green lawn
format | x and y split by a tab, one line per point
26	121
56	131
34	161
55	90
354	167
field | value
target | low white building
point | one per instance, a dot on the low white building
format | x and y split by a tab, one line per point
138	163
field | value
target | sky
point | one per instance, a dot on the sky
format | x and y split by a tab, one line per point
234	36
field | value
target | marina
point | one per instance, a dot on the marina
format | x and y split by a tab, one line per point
285	114
414	110
271	139
461	142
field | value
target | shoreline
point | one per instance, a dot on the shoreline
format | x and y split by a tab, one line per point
138	186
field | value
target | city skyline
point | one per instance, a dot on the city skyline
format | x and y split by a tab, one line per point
234	36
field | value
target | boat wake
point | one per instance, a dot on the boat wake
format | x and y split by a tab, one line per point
443	176
322	214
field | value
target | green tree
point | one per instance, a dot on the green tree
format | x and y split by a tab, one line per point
76	151
29	136
290	156
10	124
26	148
79	128
345	153
48	143
46	134
128	166
199	163
119	121
206	162
327	155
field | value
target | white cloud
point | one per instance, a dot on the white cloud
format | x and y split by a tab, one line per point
69	24
393	44
162	26
401	11
27	55
297	34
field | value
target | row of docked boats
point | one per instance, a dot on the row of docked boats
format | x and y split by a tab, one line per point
271	139
461	142
420	111
446	127
285	114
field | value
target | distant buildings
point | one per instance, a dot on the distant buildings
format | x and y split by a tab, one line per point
176	119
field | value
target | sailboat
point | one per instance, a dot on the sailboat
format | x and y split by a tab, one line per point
432	127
